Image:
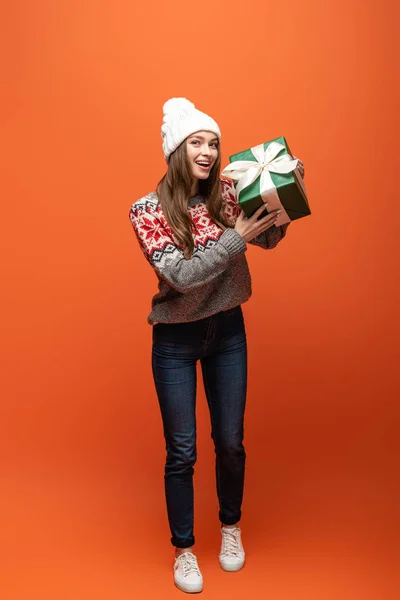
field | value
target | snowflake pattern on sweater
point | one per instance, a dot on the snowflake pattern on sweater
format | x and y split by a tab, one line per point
217	269
156	237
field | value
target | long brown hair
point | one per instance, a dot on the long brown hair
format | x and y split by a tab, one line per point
174	191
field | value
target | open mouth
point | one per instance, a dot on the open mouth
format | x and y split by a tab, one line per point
203	165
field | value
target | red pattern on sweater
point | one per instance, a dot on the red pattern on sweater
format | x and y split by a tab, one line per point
155	234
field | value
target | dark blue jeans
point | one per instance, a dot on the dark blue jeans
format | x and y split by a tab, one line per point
219	342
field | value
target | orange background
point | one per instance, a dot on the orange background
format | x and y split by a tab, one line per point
82	500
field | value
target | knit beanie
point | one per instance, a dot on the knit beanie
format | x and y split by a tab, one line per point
182	119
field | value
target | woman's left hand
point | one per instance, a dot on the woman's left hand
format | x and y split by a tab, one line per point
300	166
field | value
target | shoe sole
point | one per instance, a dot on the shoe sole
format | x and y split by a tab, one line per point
186	590
231	569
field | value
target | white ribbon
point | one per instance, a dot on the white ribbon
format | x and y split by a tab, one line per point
245	172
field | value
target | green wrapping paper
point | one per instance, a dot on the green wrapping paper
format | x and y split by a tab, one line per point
267	173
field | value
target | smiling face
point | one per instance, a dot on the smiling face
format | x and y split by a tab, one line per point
202	152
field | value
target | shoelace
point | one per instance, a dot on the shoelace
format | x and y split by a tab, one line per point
231	542
188	564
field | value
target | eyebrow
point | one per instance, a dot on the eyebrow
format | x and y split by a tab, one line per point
200	137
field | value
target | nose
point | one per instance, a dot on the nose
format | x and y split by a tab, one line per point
205	150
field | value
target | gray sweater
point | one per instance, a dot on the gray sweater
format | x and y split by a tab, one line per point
215	278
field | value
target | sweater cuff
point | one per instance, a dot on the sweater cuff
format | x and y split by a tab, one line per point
233	242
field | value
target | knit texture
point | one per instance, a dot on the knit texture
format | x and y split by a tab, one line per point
181	119
216	277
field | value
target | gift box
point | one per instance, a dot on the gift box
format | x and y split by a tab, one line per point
267	173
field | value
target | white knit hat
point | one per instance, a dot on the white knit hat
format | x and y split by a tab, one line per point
182	119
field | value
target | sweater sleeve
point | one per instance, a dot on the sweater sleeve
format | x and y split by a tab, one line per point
269	238
159	248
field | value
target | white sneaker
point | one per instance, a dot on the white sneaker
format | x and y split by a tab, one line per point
187	574
232	554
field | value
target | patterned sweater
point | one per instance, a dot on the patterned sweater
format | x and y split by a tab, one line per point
216	277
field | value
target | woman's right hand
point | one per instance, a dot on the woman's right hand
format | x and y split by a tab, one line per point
250	228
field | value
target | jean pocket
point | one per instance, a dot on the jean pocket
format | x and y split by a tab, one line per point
175	335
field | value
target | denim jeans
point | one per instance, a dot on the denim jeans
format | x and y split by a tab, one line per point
219	342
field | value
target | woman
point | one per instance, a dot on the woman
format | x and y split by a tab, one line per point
194	235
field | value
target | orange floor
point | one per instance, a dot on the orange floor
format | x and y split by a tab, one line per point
315	527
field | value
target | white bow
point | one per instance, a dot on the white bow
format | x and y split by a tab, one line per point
247	171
